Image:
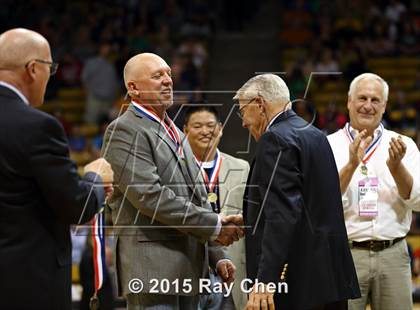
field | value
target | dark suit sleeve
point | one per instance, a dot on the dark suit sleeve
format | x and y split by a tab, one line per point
72	200
280	187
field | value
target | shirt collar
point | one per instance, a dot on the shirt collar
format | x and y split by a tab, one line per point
209	164
273	119
376	132
16	91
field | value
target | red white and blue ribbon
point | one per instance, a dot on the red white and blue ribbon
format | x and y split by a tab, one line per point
212	179
98	236
171	130
372	147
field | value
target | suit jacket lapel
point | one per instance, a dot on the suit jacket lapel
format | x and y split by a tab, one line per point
246	193
165	139
192	170
188	166
223	181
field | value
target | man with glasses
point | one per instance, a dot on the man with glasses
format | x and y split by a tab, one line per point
53	65
292	206
40	191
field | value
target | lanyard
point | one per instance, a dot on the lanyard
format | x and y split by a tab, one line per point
372	147
212	179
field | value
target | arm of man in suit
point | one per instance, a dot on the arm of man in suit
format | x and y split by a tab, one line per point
220	261
282	203
136	174
72	199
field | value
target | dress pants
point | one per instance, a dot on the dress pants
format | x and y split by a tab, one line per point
384	278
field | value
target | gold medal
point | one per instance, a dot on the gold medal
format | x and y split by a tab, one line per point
212	197
364	170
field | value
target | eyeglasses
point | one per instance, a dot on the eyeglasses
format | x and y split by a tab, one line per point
240	113
53	65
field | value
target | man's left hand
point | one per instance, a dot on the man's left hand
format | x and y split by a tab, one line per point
226	270
260	298
396	150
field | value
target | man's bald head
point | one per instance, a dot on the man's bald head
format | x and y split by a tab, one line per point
24	63
139	65
18	46
147	78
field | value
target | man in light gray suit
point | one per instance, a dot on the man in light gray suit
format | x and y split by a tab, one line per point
166	231
225	178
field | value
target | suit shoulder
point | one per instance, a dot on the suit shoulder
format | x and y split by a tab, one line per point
234	160
34	119
127	121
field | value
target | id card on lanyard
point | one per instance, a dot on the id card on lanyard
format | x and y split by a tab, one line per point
368	190
368	186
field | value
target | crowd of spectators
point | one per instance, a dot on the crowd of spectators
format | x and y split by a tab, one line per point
339	38
92	40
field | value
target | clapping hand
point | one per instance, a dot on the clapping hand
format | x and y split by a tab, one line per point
396	151
358	148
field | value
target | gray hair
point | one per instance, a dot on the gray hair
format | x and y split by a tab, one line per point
370	76
269	86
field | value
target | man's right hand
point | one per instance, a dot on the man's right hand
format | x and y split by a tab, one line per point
104	170
358	148
231	230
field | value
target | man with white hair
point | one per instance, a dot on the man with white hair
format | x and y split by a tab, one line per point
379	180
292	206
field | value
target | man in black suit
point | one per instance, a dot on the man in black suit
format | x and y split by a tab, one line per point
40	191
292	207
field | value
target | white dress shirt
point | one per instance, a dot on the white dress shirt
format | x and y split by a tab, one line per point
15	90
394	213
274	119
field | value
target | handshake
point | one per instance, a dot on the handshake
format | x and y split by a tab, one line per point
231	230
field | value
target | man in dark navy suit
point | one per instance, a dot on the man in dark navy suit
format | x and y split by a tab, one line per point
40	191
292	207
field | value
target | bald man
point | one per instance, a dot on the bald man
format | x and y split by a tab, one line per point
163	221
40	192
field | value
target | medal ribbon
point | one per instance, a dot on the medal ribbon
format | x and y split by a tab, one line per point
98	236
171	130
372	147
212	181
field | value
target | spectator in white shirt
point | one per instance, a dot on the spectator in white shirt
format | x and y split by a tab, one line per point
379	180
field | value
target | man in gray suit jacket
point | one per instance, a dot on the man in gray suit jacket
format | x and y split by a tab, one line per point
225	178
164	226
